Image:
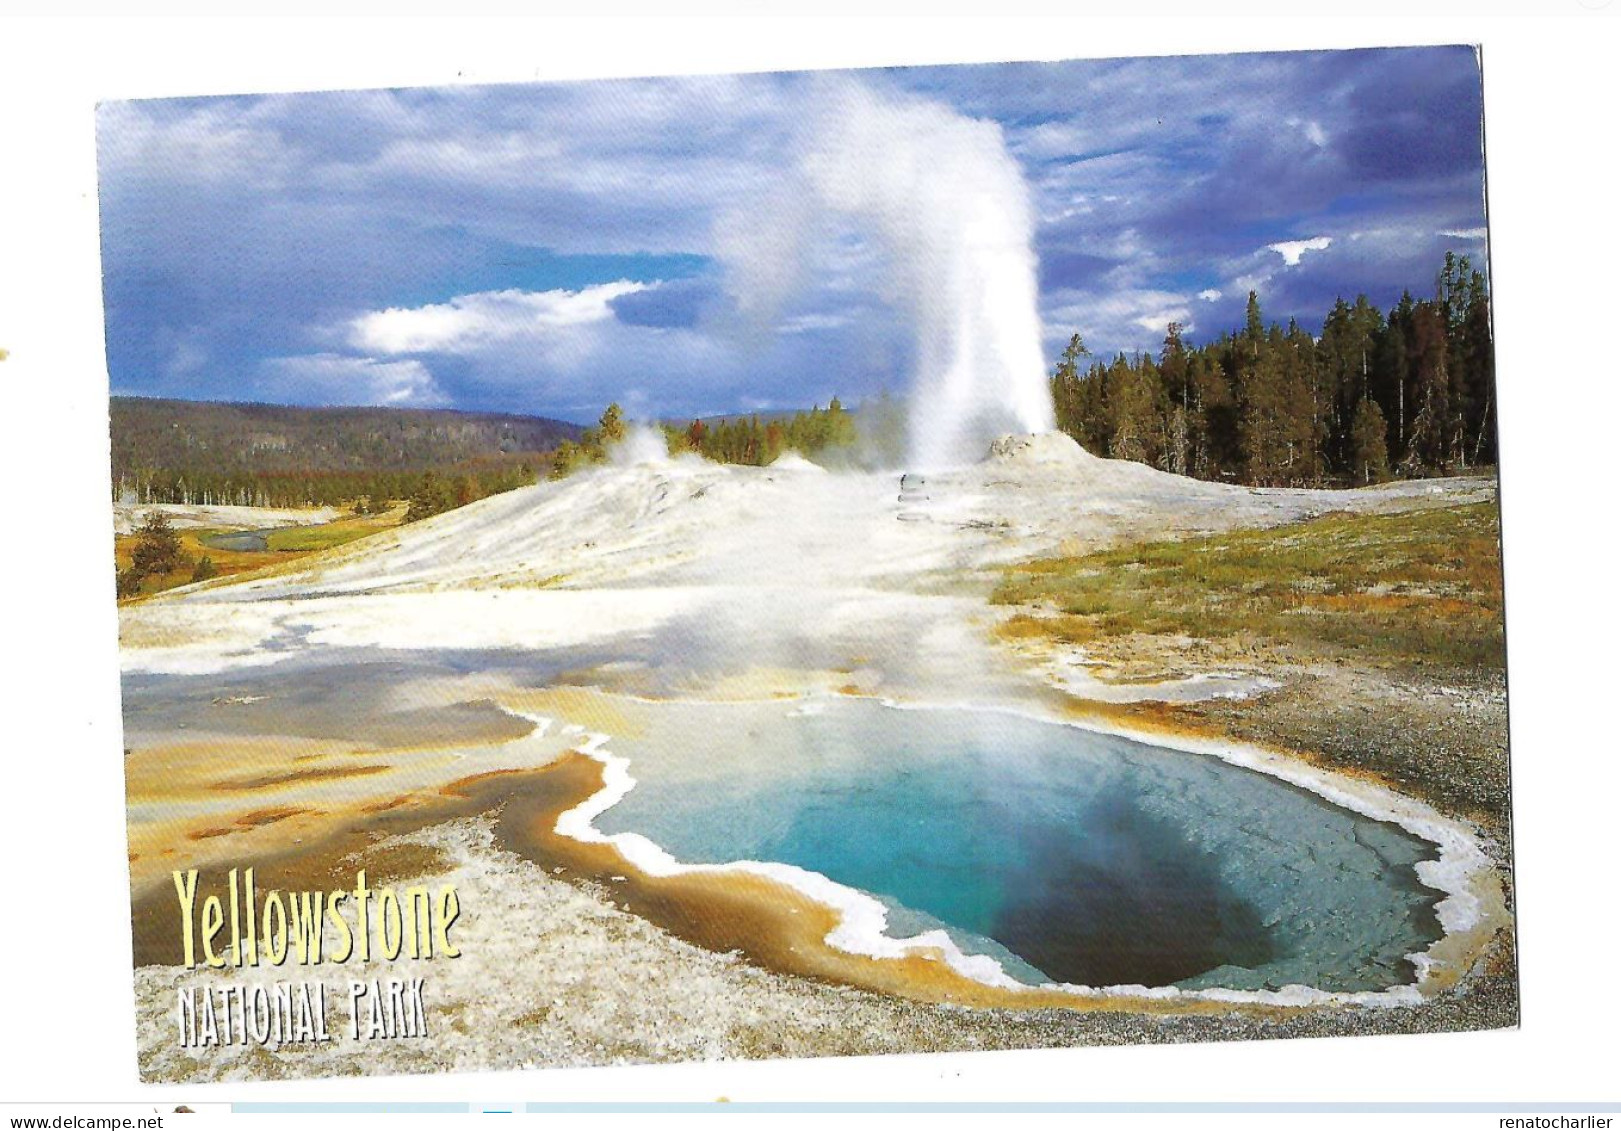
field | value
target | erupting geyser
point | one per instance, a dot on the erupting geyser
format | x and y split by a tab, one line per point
941	195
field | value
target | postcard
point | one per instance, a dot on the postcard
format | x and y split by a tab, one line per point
809	564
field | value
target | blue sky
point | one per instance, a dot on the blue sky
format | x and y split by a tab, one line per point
548	248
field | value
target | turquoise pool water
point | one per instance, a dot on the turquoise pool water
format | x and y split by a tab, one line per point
1066	855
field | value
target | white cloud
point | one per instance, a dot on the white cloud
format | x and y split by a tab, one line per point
806	323
213	145
1312	129
1257	270
475	321
567	349
1292	250
1133	319
336	379
270	202
1160	319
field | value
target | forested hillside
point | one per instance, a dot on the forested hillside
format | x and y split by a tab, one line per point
1408	392
279	455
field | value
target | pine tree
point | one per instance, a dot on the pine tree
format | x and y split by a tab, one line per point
128	583
1481	372
1400	377
1066	382
1253	329
1176	381
697	435
1310	404
157	547
611	428
1431	438
1370	460
1133	417
433	496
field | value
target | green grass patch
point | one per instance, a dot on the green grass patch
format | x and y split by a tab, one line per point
1419	587
284	546
306	539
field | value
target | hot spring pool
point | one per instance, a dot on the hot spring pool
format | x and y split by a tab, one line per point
1066	855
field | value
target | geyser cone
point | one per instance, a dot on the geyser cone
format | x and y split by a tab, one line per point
1039	447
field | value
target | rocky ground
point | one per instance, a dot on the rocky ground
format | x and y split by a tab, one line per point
724	572
1442	737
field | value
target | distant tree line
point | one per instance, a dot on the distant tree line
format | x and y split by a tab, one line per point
201	486
749	440
1408	392
435	492
745	440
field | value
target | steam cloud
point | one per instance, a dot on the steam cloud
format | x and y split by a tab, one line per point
947	204
642	444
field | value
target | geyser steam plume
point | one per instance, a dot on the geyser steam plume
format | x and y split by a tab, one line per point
945	201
